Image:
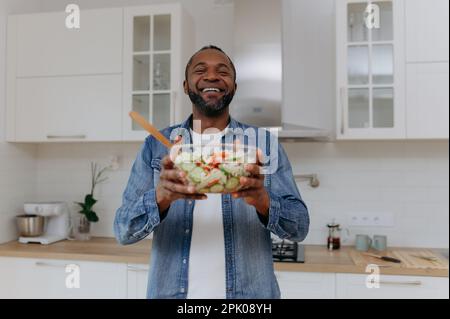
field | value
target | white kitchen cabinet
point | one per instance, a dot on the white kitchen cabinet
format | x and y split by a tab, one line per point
46	47
46	278
427	25
303	285
137	281
350	286
157	45
370	70
80	108
427	100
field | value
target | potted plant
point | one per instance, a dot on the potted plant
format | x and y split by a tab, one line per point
88	215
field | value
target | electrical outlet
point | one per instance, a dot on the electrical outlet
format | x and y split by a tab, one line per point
371	219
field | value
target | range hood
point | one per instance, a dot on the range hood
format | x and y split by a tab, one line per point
257	54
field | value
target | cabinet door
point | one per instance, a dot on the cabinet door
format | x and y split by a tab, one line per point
137	281
351	286
46	47
427	25
82	108
370	70
34	278
151	66
301	285
427	100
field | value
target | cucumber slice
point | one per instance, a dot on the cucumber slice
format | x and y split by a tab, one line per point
196	174
217	188
187	167
232	183
204	190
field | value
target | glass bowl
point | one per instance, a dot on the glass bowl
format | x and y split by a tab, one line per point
213	168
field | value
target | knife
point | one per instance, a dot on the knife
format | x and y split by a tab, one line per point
385	258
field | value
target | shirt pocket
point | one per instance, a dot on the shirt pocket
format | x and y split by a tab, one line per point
156	167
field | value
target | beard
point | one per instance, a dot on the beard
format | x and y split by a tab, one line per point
211	109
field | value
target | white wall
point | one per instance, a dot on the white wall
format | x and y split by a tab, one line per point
17	162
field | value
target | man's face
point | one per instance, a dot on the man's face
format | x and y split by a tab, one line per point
210	82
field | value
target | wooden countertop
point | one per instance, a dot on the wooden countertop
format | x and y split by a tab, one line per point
317	258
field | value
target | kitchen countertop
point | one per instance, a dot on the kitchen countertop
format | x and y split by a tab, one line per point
317	258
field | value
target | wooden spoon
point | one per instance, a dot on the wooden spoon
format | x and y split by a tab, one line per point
139	119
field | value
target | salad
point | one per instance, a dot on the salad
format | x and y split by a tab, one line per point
213	169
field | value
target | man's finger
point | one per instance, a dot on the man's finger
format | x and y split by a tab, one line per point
245	193
173	175
253	169
166	162
249	182
178	188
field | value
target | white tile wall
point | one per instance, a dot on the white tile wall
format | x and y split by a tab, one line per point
406	179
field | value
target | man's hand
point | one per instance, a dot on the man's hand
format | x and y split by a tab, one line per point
173	185
254	192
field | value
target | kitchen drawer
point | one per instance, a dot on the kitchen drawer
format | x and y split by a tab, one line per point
46	278
351	286
303	285
137	281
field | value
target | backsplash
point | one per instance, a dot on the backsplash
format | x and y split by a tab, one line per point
409	180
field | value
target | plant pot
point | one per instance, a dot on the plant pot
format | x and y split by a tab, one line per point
84	228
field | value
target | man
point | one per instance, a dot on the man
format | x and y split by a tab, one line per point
209	245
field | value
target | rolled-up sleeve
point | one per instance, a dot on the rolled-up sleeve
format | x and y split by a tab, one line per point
139	214
288	215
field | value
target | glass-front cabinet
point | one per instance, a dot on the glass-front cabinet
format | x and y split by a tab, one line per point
153	75
370	69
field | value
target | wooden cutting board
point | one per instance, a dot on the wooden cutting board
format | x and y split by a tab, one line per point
363	260
412	259
408	258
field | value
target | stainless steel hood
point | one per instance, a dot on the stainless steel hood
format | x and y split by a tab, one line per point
257	54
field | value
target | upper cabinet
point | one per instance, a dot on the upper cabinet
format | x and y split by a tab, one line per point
158	43
370	69
46	47
427	30
427	70
80	84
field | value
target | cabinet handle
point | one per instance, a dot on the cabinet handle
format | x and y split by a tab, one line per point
60	137
402	283
134	268
343	103
43	264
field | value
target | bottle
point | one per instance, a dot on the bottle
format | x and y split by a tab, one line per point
334	237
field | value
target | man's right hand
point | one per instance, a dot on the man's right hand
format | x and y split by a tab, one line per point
173	185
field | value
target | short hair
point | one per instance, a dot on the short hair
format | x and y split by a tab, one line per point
209	47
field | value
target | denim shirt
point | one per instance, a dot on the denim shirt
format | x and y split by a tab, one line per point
248	251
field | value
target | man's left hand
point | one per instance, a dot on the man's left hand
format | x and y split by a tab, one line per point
254	192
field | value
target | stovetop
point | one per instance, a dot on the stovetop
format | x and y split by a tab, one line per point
284	251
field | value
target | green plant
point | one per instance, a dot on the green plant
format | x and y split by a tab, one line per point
89	200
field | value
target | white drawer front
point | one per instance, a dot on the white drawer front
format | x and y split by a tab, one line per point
302	285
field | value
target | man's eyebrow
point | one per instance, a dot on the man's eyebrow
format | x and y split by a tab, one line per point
219	65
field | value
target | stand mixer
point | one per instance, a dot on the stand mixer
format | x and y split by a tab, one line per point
57	222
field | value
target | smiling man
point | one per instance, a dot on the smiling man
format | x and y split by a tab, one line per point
210	245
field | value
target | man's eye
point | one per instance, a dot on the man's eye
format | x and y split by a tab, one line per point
199	71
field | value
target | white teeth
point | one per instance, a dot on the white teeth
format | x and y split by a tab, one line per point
210	89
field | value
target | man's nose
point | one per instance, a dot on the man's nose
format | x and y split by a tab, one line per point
211	76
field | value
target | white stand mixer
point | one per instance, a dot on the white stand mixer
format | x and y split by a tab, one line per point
57	222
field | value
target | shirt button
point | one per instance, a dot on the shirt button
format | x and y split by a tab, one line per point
187	231
184	261
190	202
182	290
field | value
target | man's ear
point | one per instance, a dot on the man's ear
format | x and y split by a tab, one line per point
235	86
185	87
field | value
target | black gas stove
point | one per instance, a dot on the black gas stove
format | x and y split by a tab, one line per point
287	251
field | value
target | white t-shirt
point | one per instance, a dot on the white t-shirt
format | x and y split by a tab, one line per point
207	254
